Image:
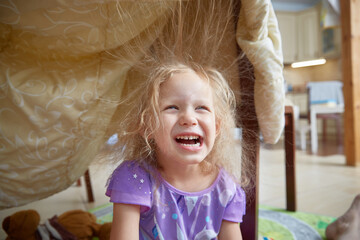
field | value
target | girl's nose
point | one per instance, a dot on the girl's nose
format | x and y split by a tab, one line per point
187	119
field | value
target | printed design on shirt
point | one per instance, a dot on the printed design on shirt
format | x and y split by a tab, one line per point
157	231
206	234
179	233
190	203
159	200
136	179
144	235
156	198
226	195
205	202
181	204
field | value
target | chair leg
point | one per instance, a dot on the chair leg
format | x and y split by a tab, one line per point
290	166
78	182
338	131
88	186
249	227
250	134
303	131
324	130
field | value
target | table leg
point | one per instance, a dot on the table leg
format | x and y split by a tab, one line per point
314	137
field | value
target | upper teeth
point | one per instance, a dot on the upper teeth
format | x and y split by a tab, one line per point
187	137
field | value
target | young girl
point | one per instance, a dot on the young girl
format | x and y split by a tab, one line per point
178	178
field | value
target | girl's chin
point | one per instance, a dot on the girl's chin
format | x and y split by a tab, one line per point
190	161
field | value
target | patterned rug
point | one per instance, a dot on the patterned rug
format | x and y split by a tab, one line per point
278	224
274	224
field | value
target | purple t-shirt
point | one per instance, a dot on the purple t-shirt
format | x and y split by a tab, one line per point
169	213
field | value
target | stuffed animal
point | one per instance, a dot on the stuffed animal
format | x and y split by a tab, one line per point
71	225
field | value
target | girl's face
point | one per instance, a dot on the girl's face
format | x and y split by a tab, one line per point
188	127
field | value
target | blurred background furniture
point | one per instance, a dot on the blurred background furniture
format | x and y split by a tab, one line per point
325	101
290	163
301	127
89	190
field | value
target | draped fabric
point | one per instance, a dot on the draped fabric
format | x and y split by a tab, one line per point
61	79
259	37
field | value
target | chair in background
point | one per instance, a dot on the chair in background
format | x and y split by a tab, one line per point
89	190
301	128
326	94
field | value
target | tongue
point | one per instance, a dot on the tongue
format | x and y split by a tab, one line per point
184	141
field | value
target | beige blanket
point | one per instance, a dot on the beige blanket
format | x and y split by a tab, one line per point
61	81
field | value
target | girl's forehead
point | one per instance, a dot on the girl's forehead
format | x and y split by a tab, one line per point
185	82
185	78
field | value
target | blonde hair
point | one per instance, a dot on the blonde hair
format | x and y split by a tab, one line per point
197	35
137	126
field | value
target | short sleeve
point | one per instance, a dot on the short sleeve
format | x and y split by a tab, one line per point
130	184
235	210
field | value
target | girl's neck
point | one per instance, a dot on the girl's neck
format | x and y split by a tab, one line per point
191	178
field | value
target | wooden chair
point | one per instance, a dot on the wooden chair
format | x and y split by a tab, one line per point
337	98
249	227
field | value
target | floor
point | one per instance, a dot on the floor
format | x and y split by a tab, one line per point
325	185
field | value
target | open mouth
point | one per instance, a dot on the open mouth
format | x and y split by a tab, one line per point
194	141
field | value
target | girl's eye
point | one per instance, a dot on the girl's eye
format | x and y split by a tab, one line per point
171	107
203	108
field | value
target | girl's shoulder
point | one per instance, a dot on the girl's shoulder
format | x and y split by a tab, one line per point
227	179
131	170
134	165
232	195
130	183
228	183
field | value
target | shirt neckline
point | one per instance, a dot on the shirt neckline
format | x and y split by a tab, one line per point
198	193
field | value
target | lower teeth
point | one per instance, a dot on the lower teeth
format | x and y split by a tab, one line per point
191	145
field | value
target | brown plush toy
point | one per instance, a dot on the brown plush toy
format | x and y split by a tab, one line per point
82	224
27	221
71	225
104	232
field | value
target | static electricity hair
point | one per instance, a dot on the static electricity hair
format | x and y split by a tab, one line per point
199	36
142	119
